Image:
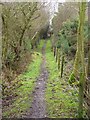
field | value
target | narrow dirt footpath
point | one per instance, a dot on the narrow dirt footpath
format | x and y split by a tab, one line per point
38	108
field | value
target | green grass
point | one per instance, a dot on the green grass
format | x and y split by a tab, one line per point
24	92
40	45
62	100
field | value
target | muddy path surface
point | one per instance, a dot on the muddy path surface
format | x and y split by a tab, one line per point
38	108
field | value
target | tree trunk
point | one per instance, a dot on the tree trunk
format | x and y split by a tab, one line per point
88	71
21	38
82	71
88	68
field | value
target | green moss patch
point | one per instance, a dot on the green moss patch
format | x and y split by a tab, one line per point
27	82
61	98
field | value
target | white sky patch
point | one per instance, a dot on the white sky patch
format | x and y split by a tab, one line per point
53	9
60	0
53	0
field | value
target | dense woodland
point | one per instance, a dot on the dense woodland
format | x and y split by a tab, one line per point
45	59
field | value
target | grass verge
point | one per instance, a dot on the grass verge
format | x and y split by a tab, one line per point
61	98
27	80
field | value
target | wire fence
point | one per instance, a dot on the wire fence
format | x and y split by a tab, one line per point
86	90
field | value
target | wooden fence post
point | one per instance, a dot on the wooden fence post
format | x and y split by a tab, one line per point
58	58
56	54
54	50
62	65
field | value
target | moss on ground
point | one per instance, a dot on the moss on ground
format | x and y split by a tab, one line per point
23	93
61	98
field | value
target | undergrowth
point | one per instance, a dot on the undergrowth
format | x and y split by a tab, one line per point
27	80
